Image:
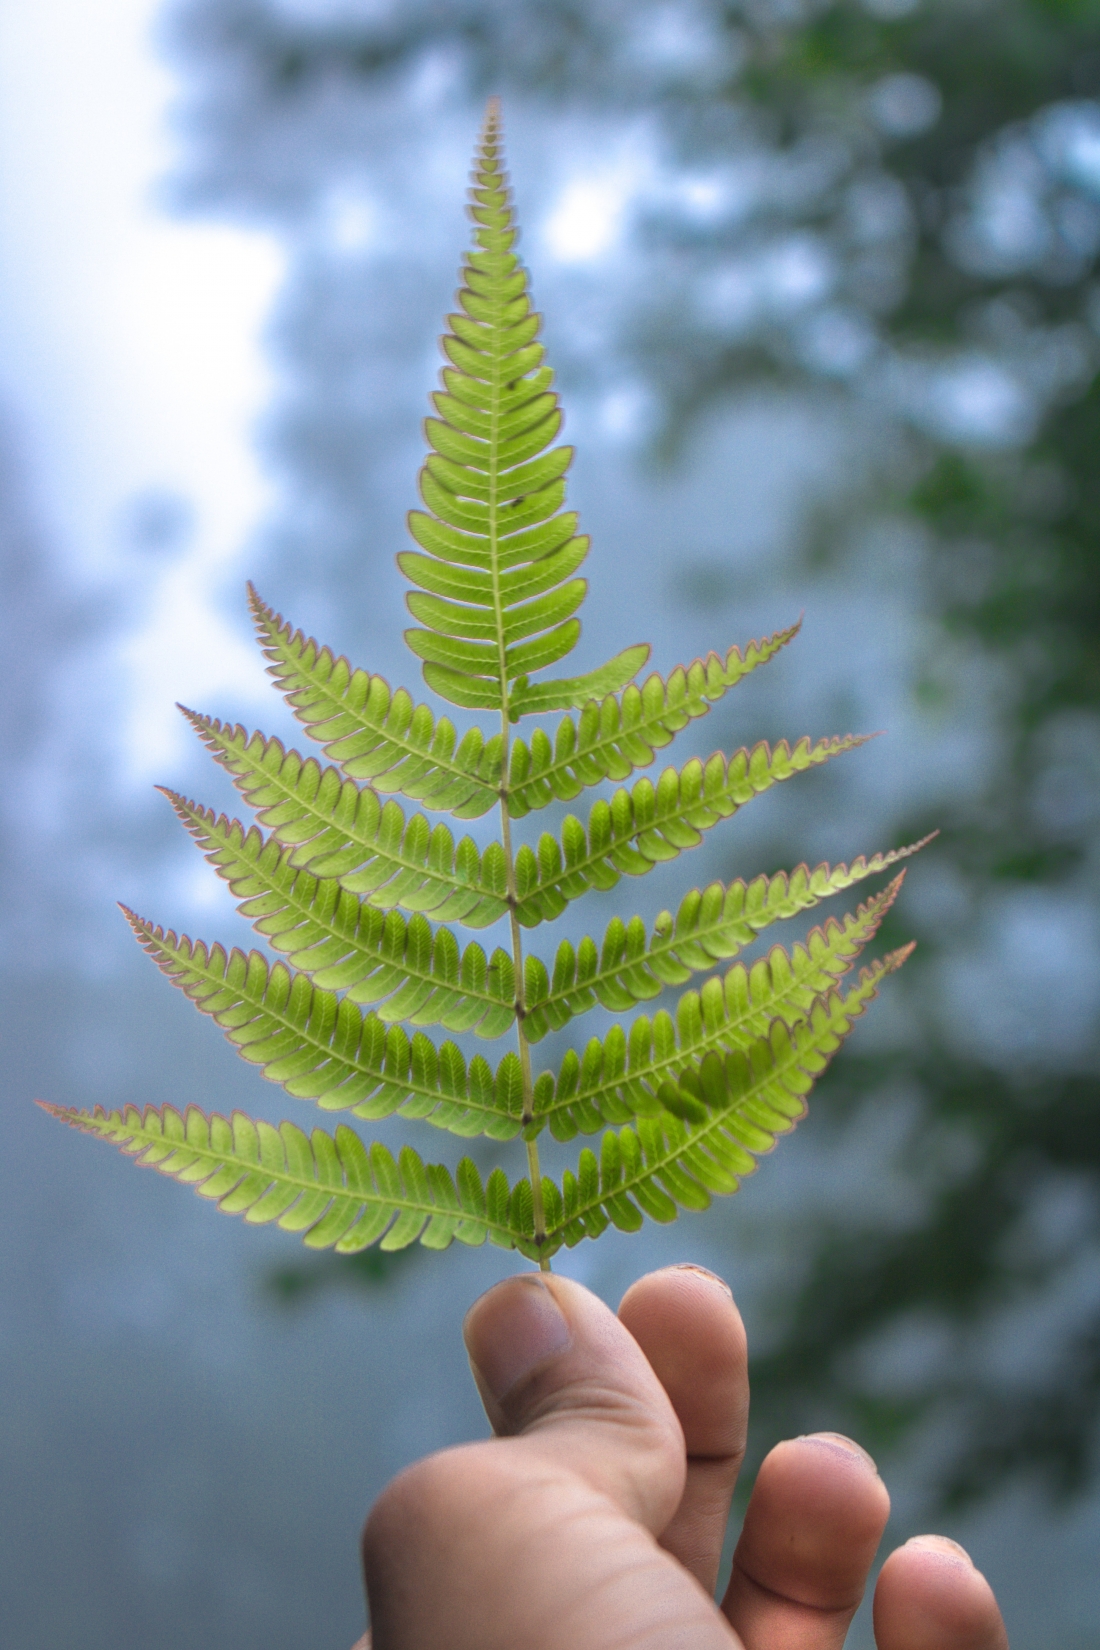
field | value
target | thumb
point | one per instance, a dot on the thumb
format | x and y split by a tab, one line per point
543	1537
555	1367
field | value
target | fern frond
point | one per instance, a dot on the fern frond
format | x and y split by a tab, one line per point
619	733
496	569
344	944
323	1048
732	1110
375	733
356	891
651	823
626	1073
339	1193
336	828
712	925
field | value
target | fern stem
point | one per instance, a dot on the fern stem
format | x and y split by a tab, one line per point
533	1166
490	169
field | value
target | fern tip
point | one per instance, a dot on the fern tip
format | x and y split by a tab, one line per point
69	1115
140	925
263	614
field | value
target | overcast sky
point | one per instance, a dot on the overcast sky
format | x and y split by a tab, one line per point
130	353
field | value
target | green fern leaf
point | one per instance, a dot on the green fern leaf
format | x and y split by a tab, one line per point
357	894
626	1073
344	944
337	828
497	591
614	736
375	733
712	925
651	823
733	1110
339	1193
323	1048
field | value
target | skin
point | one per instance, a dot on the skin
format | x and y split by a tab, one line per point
594	1519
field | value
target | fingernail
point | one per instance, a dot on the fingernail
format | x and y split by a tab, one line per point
703	1272
943	1545
837	1441
513	1328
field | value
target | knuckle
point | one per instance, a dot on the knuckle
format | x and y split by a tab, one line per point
422	1500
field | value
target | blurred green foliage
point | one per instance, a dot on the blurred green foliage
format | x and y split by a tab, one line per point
302	1280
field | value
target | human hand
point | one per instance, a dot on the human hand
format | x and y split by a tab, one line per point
594	1520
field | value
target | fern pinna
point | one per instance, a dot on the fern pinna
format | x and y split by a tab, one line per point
361	896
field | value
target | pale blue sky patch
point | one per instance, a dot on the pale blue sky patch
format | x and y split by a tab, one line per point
131	344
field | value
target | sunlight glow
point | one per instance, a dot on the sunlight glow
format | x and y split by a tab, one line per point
588	219
133	362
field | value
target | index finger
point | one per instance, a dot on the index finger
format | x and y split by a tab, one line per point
685	1321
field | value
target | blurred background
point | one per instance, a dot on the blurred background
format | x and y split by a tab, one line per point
820	283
